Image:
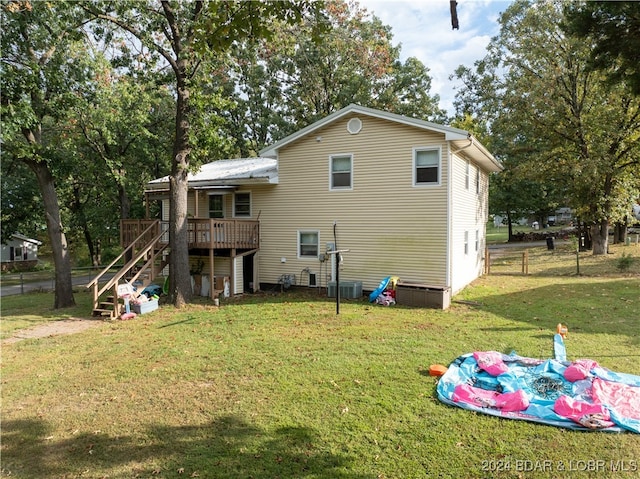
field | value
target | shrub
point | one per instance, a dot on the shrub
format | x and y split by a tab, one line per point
624	262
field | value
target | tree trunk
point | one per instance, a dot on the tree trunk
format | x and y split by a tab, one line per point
179	277
620	231
125	202
81	219
510	237
61	259
600	237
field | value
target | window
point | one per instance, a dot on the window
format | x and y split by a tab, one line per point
466	175
216	206
466	242
242	205
426	166
477	239
341	172
308	244
478	180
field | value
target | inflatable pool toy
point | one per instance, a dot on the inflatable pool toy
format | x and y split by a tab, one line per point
579	394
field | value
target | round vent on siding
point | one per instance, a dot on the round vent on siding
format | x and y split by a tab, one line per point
354	126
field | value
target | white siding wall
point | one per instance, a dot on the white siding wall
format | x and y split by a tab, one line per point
389	226
468	214
32	250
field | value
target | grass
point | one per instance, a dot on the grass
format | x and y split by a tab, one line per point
273	386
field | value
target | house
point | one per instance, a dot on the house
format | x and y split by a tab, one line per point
405	197
19	253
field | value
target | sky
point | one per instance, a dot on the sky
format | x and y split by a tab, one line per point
423	28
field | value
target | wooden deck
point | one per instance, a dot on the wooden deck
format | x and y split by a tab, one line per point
202	233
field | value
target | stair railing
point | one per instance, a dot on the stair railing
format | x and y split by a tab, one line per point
113	282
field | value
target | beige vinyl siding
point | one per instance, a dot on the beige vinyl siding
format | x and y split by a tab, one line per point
469	214
389	226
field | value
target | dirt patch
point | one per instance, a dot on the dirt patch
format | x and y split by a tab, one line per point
54	328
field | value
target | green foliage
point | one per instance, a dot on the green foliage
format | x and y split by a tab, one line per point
556	123
294	77
625	261
614	30
20	199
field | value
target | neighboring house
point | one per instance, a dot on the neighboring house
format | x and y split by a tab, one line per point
19	253
405	197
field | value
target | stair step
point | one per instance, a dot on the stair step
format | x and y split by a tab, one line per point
102	312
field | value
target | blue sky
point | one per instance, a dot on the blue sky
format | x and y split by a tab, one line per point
423	28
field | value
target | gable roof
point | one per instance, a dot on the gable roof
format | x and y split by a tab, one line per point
226	173
460	139
23	238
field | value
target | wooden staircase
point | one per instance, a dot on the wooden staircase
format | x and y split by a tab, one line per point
142	269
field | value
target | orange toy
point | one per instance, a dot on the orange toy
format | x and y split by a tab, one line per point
437	370
562	330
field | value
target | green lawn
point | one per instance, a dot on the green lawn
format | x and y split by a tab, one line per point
279	386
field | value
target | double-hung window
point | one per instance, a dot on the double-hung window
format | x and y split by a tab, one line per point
341	177
216	206
426	162
308	244
242	205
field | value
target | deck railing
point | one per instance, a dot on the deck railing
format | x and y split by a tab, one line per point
202	233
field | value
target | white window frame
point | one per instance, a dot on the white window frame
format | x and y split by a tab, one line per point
331	172
417	150
466	243
477	240
299	241
478	178
235	195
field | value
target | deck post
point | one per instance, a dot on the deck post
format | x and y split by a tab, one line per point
212	282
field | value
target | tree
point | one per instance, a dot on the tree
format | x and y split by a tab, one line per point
21	201
281	84
122	129
613	28
554	117
43	62
185	35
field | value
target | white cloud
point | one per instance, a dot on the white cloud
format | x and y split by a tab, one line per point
423	28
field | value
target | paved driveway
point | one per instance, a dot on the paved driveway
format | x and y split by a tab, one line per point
45	285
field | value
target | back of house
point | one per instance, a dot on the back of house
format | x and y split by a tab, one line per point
405	197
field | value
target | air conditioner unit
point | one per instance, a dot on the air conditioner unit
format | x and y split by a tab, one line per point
348	289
